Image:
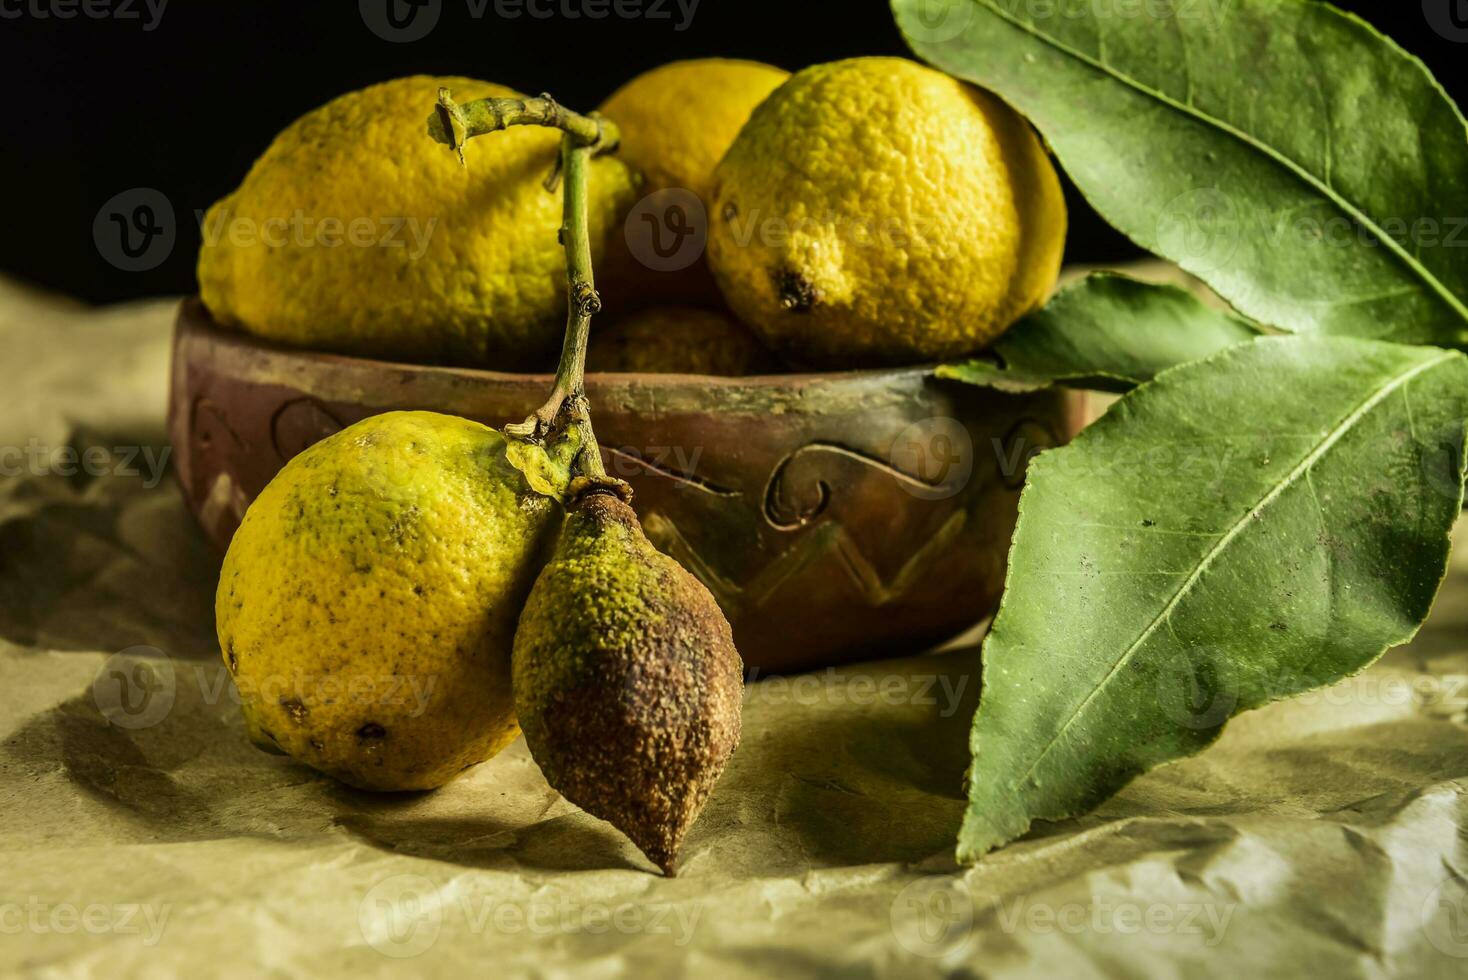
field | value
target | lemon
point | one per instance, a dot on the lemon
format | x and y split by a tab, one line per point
367	605
355	232
677	340
875	211
676	121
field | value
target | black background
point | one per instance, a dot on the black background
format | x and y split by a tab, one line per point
97	106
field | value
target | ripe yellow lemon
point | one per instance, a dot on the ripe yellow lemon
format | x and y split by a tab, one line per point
367	605
676	340
356	232
875	211
676	120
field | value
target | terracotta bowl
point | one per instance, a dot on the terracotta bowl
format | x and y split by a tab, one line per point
835	516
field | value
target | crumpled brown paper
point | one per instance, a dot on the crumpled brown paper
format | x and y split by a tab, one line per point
142	835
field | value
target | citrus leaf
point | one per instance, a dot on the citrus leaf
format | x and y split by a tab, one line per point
1304	166
1241	529
1105	333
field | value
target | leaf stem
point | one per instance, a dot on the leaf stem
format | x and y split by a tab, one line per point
583	137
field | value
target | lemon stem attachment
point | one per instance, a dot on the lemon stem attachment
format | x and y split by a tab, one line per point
582	137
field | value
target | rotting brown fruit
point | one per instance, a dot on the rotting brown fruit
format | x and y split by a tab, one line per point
626	680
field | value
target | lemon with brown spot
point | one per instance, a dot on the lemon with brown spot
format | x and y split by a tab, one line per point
367	605
874	211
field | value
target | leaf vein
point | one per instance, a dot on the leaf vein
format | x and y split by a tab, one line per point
1330	438
1297	169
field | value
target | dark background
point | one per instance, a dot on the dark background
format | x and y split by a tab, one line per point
95	107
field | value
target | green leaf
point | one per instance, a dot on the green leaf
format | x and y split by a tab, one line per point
1106	333
1304	166
1241	529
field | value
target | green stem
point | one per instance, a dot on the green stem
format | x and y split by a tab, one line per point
455	124
568	393
583	137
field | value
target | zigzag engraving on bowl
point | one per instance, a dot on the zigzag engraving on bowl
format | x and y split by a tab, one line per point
828	537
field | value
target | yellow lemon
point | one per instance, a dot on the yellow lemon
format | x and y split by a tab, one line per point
676	340
875	211
676	120
355	232
367	605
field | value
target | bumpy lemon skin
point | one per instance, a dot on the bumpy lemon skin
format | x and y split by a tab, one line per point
677	340
367	605
355	232
874	211
677	121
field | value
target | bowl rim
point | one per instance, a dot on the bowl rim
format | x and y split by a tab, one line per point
195	316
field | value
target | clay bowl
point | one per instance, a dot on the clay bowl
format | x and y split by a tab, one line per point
835	517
